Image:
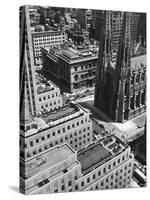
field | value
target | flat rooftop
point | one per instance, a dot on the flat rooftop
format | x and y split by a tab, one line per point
46	160
43	85
99	153
60	113
75	53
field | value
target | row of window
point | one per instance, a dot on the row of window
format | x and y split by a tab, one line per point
108	179
48	97
137	78
54	133
85	67
72	143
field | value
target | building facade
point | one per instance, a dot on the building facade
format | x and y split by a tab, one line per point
48	94
75	68
46	39
106	164
84	18
69	124
121	85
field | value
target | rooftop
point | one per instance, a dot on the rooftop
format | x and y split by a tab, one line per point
43	85
46	160
99	153
72	53
61	113
51	119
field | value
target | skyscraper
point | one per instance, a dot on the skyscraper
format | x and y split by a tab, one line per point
27	71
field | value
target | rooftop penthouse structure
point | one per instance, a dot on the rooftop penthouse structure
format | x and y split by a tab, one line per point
105	164
48	94
73	65
70	124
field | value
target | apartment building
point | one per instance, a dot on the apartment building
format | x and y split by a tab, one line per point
70	124
48	95
46	39
105	164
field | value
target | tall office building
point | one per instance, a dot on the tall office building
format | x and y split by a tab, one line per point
105	164
84	17
116	18
120	86
27	71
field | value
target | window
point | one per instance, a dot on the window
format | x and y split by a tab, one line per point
69	183
53	133
42	138
62	187
99	173
76	187
48	136
45	147
40	99
88	180
137	78
34	152
44	98
31	144
82	183
40	150
104	170
51	145
63	130
55	190
132	80
68	127
58	131
142	76
61	140
48	96
28	155
93	176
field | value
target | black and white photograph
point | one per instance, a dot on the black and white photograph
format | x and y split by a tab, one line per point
82	98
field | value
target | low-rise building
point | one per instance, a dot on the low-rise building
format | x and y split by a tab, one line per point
74	66
70	124
48	94
105	164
